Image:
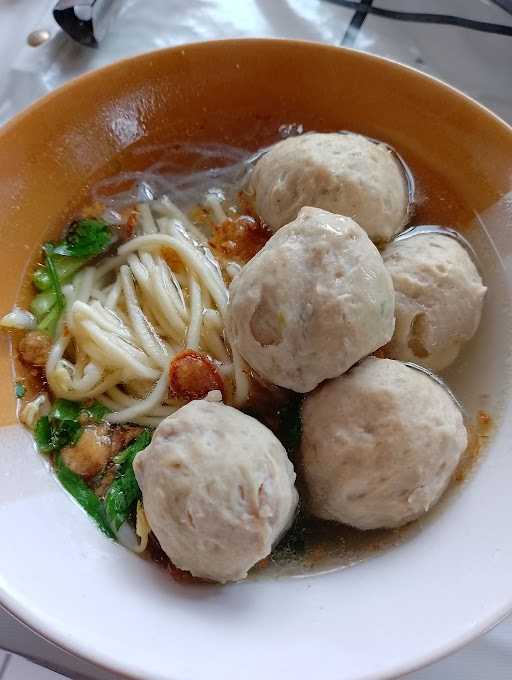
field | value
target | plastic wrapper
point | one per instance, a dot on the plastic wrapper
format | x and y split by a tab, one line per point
475	61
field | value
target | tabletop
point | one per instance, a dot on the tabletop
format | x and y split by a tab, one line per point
468	43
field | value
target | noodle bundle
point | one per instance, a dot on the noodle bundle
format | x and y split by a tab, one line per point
128	318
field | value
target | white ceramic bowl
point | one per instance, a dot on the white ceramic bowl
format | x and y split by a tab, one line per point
379	619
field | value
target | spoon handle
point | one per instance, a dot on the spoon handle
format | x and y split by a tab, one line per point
86	21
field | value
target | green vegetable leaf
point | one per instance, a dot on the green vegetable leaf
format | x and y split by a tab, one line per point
54	435
60	300
42	304
76	486
124	492
49	322
96	411
86	238
66	268
63	409
20	390
129	453
60	428
43	435
121	497
69	434
65	423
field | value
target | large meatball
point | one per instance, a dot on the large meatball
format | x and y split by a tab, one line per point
316	299
379	445
218	490
439	297
346	174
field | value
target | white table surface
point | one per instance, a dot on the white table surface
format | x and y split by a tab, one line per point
480	64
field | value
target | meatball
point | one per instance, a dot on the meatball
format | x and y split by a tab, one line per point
316	299
346	174
439	297
34	348
218	490
379	445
